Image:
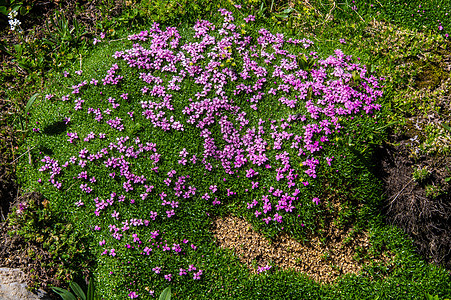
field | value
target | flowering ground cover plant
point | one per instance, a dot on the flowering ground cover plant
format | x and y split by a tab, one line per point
147	140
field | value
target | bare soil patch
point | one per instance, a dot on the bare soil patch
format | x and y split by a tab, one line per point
323	258
425	219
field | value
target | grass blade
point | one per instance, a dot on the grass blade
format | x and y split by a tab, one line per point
77	290
30	102
446	127
90	295
66	295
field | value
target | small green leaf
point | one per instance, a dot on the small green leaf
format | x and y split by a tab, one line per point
166	294
309	93
446	127
356	76
23	11
30	102
283	16
3	10
77	290
373	69
19	49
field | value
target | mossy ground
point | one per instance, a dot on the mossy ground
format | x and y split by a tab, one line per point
416	97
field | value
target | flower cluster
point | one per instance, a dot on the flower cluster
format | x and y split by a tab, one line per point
233	78
13	22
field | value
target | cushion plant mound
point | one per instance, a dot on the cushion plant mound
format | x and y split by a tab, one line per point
156	134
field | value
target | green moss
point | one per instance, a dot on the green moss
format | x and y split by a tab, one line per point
430	75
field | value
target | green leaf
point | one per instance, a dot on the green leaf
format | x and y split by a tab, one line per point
385	126
66	295
23	11
3	10
430	297
356	76
287	11
446	127
91	290
166	294
3	48
30	102
19	50
309	93
77	290
283	16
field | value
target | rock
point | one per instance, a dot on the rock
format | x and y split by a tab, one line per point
13	286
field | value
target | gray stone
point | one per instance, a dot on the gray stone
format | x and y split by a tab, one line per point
13	286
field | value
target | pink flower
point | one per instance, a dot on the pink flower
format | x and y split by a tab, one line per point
316	200
197	275
213	188
170	213
191	268
182	272
277	218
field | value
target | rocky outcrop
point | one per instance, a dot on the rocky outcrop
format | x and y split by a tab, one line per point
13	286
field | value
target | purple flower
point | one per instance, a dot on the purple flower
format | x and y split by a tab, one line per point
316	200
263	269
267	220
170	213
182	272
168	277
249	18
278	218
196	276
191	268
